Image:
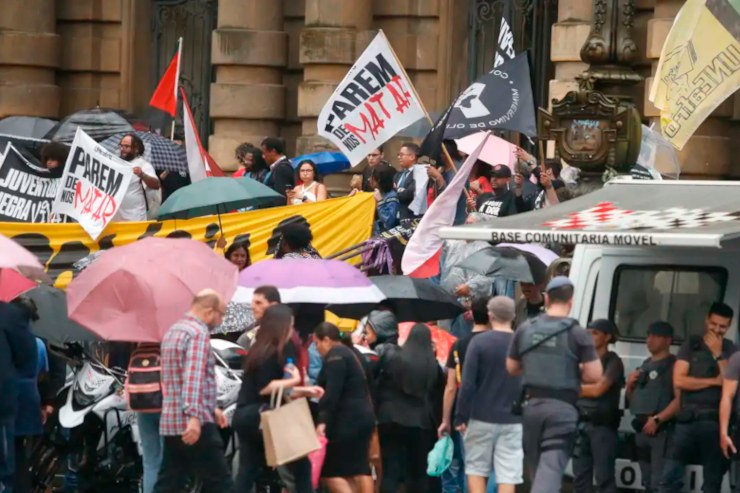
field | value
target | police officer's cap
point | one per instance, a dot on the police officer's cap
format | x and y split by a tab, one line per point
558	282
605	326
660	328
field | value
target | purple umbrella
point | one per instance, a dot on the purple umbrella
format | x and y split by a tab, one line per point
309	281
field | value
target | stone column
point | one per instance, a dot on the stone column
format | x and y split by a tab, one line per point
568	35
29	55
249	53
416	30
295	18
708	154
335	34
90	67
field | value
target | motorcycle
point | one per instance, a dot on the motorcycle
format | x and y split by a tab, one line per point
93	439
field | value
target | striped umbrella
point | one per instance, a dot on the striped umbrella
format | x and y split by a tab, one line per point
161	152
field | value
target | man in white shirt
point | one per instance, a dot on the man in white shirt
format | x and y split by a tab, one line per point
134	204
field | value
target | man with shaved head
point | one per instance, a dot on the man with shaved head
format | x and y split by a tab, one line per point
190	418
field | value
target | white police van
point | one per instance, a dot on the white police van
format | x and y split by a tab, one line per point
644	251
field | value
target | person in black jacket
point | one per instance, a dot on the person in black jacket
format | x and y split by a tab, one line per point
345	414
404	181
408	382
18	357
266	368
281	176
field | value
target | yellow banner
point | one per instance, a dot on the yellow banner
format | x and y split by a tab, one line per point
336	224
699	66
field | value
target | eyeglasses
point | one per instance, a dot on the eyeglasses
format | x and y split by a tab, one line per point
307	170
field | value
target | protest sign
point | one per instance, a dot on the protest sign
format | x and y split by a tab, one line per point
336	224
373	102
93	186
499	100
26	191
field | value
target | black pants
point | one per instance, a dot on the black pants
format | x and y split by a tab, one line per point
205	460
22	473
404	453
696	440
252	465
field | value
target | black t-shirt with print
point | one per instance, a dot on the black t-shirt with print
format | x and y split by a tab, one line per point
497	204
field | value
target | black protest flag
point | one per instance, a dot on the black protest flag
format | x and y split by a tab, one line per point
501	99
26	191
505	46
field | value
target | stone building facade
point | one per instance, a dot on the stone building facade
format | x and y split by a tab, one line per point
271	64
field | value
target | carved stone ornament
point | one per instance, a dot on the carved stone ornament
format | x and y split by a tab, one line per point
609	48
592	130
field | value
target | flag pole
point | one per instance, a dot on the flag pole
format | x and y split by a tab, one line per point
177	85
416	94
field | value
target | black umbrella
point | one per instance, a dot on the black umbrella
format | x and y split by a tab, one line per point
53	324
98	123
26	126
411	299
508	263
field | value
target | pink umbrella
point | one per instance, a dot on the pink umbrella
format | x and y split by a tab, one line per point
136	292
15	257
13	284
495	151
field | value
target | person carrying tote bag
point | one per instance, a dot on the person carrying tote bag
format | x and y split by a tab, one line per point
267	377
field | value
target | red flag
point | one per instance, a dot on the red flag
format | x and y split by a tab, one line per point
165	95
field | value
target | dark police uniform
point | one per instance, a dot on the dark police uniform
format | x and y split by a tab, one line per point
653	392
732	372
596	443
552	382
696	435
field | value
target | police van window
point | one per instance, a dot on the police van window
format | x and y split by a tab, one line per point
681	295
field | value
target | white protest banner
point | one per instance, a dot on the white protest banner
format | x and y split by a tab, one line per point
26	191
93	185
374	102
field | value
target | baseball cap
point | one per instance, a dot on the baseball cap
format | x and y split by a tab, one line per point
605	326
660	328
501	171
558	282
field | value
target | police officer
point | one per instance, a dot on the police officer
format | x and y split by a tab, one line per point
548	352
697	374
653	404
729	412
595	453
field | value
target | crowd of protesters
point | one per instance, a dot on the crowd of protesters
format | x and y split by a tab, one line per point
381	405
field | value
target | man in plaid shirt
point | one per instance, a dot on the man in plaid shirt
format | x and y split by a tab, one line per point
190	418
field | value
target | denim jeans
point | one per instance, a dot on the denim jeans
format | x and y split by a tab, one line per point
151	447
453	479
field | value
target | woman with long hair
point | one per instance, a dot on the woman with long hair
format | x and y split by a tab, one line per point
238	254
410	380
309	188
345	415
268	366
